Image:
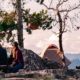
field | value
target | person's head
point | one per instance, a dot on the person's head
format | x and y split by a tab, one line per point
15	44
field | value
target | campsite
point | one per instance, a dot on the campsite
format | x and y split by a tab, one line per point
39	40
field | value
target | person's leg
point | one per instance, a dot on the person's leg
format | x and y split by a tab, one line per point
17	67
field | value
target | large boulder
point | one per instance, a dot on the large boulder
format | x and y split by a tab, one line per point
32	61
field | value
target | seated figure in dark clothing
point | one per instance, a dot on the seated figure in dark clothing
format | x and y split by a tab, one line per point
3	56
16	59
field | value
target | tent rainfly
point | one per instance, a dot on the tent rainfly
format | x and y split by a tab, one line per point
52	53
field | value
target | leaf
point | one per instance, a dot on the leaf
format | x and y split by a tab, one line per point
38	0
41	1
29	31
50	27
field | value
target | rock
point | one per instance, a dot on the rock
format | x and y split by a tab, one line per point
32	61
2	74
77	67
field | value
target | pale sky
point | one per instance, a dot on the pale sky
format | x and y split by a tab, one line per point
36	41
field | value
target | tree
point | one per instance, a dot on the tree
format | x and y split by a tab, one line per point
40	19
19	23
18	8
18	5
62	17
7	24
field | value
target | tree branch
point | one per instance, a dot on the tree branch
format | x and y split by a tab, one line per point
64	22
71	22
60	3
49	7
69	10
56	33
50	3
56	23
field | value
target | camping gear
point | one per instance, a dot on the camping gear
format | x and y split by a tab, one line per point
52	53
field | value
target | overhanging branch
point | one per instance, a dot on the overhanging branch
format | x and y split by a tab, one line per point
69	10
48	7
60	3
50	3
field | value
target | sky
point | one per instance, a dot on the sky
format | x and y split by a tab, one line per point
39	38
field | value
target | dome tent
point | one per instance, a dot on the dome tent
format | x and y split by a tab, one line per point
52	53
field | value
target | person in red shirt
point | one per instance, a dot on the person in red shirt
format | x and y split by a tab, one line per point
16	58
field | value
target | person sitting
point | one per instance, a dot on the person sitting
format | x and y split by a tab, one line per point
3	56
16	59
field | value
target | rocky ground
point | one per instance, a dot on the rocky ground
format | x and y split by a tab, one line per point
36	68
47	74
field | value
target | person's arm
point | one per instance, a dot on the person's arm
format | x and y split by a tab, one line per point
15	58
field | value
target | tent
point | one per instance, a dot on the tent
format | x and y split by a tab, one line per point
52	53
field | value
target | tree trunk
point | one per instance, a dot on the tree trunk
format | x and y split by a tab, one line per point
60	36
60	32
20	24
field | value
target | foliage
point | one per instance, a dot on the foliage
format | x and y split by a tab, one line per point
7	22
40	19
40	1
